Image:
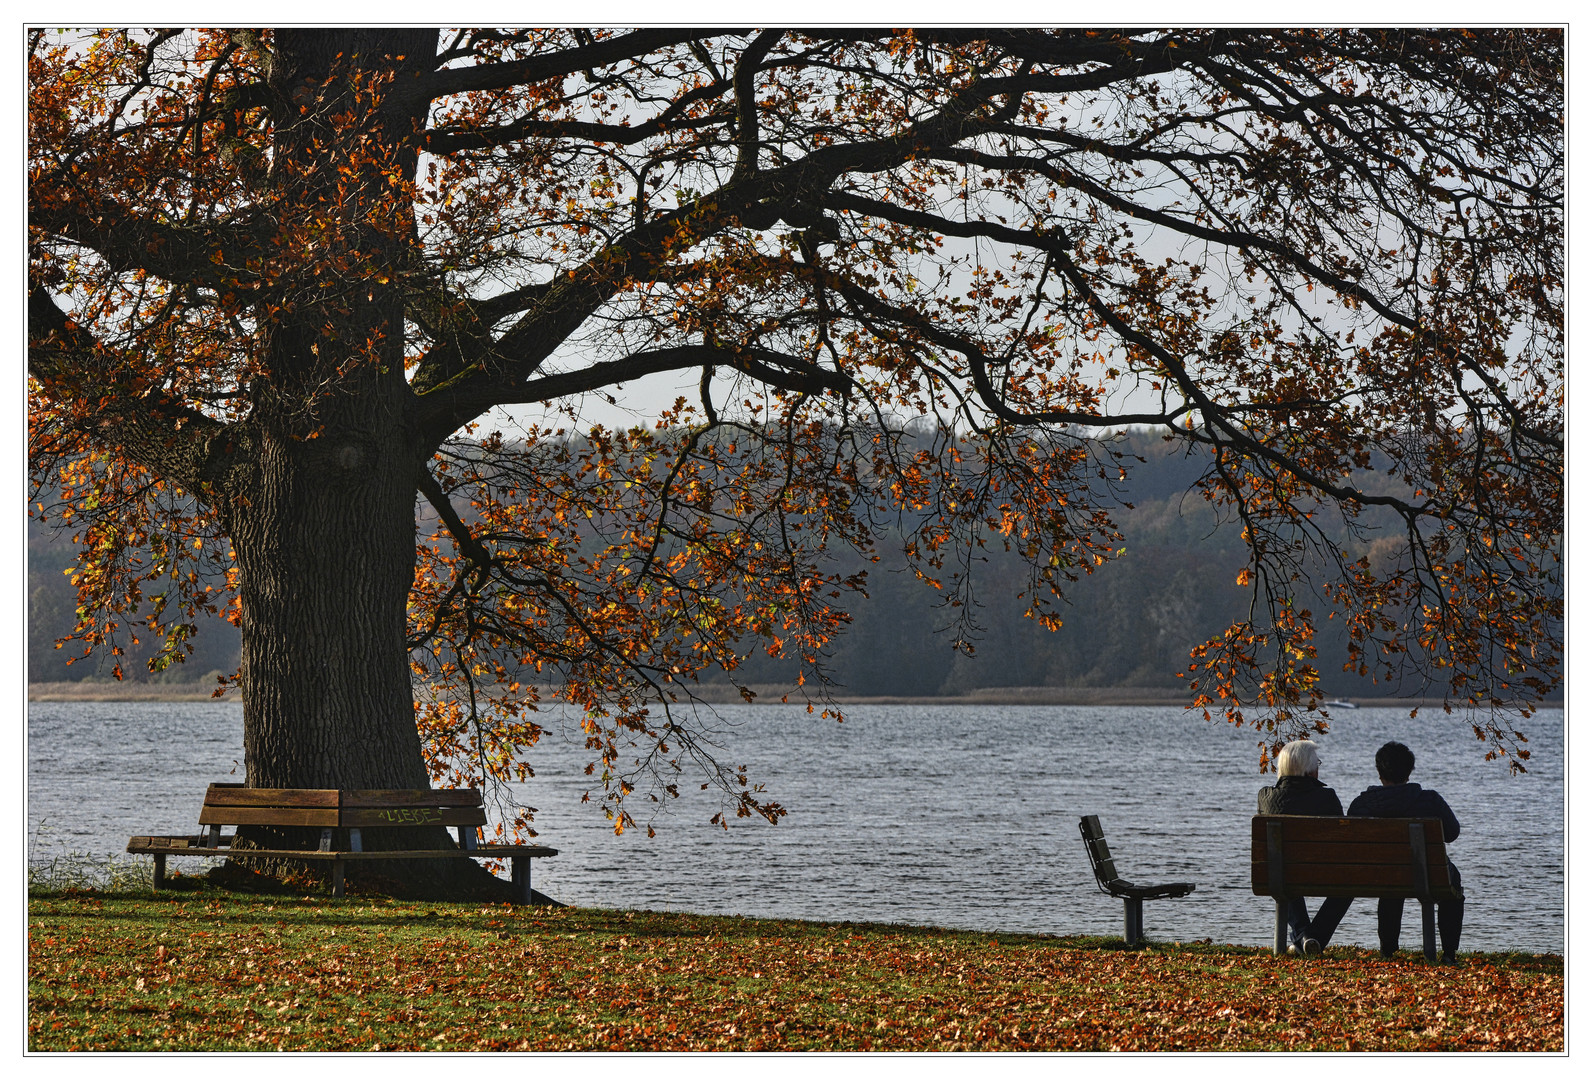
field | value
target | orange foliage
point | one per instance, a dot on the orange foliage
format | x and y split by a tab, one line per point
920	279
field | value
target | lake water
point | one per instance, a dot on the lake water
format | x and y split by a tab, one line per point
933	815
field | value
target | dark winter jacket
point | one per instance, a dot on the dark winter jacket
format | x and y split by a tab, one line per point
1300	795
1405	800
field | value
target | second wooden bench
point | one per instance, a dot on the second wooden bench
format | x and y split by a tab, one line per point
1292	855
1113	884
343	817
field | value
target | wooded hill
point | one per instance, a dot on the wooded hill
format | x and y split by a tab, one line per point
1129	624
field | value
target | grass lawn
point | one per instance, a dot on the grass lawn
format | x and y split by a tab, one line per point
204	969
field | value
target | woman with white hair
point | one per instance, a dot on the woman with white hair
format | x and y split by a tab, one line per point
1298	791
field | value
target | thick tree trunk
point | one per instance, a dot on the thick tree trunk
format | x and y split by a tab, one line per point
322	521
325	544
326	559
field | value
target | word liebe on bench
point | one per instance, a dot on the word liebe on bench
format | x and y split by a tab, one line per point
412	815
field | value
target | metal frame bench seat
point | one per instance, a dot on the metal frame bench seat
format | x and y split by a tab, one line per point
1112	884
333	809
1296	856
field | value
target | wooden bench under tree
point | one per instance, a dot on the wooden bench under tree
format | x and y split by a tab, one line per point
1112	884
344	817
1295	856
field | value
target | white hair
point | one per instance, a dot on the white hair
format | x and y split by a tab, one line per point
1299	758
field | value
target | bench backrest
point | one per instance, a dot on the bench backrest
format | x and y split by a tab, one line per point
1094	841
1294	855
234	804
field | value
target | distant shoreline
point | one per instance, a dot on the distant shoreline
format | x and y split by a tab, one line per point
766	695
125	691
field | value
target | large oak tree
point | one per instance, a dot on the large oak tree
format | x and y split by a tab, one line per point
282	281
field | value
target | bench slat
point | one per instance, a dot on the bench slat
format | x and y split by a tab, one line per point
412	815
382	798
1105	865
503	851
1341	851
270	815
1373	892
238	795
1314	830
172	844
332	818
365	798
1347	875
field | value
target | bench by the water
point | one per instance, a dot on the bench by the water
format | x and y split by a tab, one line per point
356	811
1111	883
1368	857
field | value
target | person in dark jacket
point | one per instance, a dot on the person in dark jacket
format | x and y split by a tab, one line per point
1299	791
1397	797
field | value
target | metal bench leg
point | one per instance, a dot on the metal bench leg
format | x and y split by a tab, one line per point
1132	920
337	877
1282	927
520	876
160	871
1428	932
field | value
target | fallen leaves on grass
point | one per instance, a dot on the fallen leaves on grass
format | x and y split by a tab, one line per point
308	975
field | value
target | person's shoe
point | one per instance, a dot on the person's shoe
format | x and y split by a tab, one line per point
1387	954
1293	948
1312	947
1449	959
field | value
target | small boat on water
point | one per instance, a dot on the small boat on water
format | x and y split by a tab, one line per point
1339	704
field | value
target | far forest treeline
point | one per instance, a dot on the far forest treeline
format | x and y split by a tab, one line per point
1129	624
